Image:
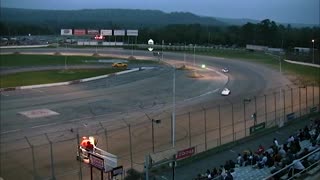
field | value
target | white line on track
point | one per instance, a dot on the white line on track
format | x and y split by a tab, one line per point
207	93
43	125
3	94
11	131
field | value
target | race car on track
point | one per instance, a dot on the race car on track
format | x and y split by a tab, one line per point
119	65
225	70
225	92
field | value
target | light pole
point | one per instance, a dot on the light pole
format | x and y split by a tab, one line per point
184	54
174	106
313	51
157	122
162	50
194	55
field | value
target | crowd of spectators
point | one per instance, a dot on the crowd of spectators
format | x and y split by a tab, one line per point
276	157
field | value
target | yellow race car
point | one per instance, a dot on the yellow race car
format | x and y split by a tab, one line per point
119	65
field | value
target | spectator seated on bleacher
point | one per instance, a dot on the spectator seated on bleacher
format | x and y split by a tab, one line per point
296	168
260	150
240	160
263	161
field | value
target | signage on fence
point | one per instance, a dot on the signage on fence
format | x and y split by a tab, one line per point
313	109
185	153
257	127
150	43
290	116
97	162
117	171
132	32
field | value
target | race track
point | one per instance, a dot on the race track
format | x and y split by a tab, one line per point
117	101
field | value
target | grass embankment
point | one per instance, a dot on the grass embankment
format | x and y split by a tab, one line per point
296	73
21	60
52	76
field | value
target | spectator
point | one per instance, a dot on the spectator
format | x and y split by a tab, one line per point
228	176
312	147
260	150
89	146
285	147
214	172
290	139
263	161
270	161
282	152
275	142
239	160
303	153
296	168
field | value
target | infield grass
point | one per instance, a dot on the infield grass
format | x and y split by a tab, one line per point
51	76
305	74
23	60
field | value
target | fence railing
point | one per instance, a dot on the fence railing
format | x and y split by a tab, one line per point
53	155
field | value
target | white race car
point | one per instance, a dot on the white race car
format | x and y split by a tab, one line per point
225	70
225	92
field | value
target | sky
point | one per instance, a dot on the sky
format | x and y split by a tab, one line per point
284	11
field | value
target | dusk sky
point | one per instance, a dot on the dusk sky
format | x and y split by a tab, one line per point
286	11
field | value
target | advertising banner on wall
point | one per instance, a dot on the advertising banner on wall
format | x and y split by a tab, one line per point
66	32
79	32
106	32
119	32
93	32
132	32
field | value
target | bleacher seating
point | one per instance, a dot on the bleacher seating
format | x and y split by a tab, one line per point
252	172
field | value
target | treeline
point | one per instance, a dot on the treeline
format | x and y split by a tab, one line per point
266	33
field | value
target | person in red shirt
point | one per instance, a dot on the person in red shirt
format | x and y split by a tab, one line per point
89	146
260	149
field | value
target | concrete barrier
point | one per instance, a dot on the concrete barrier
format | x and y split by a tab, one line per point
72	82
28	46
302	63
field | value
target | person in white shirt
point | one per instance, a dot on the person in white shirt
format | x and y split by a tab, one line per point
296	168
275	142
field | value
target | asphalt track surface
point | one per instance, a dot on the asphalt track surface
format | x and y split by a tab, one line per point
131	92
128	98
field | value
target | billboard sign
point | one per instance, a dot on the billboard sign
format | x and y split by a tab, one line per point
185	153
66	32
97	162
132	32
93	31
119	32
106	32
117	171
79	32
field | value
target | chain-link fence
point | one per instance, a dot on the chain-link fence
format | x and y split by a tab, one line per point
53	155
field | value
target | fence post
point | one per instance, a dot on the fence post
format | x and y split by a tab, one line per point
35	176
313	94
284	105
306	98
265	109
244	118
205	128
130	142
105	134
255	105
275	107
219	126
291	100
299	102
51	157
189	129
80	163
232	116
